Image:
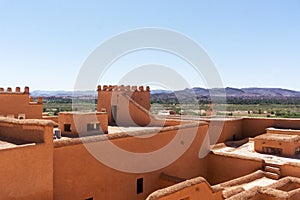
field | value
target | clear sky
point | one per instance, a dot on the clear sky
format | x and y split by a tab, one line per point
253	43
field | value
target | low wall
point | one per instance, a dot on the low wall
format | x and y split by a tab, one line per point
253	127
75	180
226	168
290	170
53	118
193	189
29	130
27	170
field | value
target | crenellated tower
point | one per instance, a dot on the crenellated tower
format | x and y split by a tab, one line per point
19	104
125	104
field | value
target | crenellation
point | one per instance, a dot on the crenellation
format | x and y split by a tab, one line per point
26	90
105	87
123	88
99	88
141	88
40	100
18	90
31	99
147	88
111	87
127	88
20	104
134	88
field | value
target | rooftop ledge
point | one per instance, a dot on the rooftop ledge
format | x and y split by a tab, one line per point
104	137
177	187
279	130
81	113
37	122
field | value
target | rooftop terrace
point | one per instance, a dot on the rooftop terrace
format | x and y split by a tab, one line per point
247	151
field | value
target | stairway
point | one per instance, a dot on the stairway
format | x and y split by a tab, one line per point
272	171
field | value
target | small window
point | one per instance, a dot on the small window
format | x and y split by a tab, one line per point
93	127
10	116
273	151
21	116
139	185
297	151
67	127
91	198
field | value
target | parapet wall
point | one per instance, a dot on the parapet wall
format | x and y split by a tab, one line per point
123	88
283	131
30	130
240	128
253	127
80	182
225	168
197	188
17	90
26	170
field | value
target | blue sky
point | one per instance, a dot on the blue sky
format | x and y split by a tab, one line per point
43	44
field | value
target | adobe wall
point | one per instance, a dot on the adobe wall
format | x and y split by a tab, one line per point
283	131
288	148
27	170
75	180
231	129
53	118
193	189
253	127
82	119
30	130
126	109
290	170
250	127
224	168
15	103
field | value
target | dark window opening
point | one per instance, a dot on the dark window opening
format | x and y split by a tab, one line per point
114	113
67	127
297	151
91	198
273	151
93	126
139	185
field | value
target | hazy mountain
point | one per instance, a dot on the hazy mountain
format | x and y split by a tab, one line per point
271	92
61	93
197	91
202	93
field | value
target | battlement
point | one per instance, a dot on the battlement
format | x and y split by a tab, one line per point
17	90
18	104
124	88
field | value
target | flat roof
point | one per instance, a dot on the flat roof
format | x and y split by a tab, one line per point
247	151
278	137
6	144
115	132
80	113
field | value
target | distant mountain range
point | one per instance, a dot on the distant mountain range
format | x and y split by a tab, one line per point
61	93
199	92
